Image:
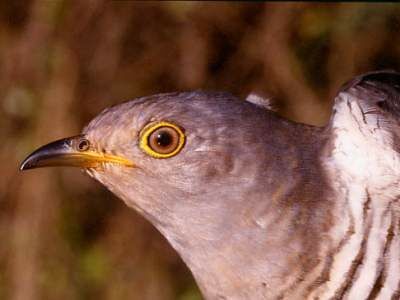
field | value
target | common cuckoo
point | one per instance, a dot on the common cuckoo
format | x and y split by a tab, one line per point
257	206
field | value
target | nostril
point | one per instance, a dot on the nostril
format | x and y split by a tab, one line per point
83	145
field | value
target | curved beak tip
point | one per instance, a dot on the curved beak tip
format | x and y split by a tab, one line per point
24	166
27	163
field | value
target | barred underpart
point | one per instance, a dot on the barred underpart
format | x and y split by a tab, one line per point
365	263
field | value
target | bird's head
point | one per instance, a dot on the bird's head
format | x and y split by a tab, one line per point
176	158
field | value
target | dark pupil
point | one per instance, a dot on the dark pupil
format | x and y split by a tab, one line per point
163	139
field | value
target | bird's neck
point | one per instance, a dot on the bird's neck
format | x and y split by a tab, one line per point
261	234
349	246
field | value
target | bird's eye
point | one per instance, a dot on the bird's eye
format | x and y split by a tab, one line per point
162	139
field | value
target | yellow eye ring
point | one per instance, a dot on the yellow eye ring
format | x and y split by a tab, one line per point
162	139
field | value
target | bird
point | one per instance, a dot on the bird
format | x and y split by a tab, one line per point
256	205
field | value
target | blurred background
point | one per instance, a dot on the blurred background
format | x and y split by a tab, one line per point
62	235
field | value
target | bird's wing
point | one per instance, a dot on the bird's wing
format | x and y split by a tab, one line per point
376	93
372	102
363	167
365	128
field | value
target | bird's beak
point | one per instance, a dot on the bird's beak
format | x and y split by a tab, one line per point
74	151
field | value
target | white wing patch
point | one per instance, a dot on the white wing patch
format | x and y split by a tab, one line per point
366	168
361	149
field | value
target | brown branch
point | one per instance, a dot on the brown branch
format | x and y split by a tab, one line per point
352	46
281	65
